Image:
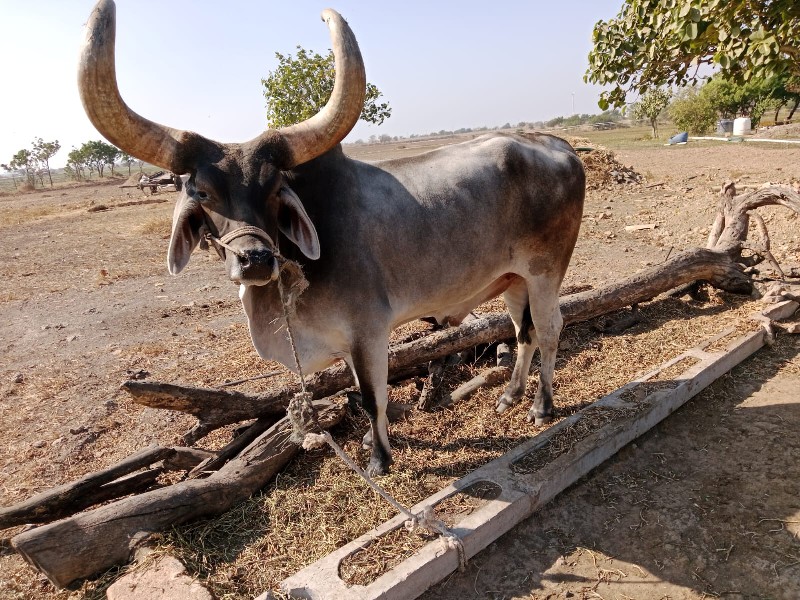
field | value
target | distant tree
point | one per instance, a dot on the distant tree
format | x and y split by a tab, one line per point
43	152
126	159
77	163
650	106
653	43
99	154
301	85
8	168
692	111
607	116
786	93
24	162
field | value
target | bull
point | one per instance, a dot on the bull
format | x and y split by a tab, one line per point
380	244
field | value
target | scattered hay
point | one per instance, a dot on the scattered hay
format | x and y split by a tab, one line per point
383	554
567	438
317	504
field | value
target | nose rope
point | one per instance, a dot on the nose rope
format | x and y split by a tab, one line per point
225	240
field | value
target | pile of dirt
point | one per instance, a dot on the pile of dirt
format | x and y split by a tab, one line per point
780	132
602	167
132	181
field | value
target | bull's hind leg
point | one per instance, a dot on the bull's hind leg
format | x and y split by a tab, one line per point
537	322
517	301
547	320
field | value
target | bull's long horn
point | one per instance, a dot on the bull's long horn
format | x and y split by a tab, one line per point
328	127
97	82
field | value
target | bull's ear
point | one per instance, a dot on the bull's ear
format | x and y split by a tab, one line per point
294	223
187	219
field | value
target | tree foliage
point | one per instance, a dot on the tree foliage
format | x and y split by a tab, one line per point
301	85
651	104
692	111
42	153
25	163
652	43
91	157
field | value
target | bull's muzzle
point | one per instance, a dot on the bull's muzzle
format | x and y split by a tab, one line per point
250	255
253	267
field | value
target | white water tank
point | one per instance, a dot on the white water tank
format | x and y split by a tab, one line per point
741	126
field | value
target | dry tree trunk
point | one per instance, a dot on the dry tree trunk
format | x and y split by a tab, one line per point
729	233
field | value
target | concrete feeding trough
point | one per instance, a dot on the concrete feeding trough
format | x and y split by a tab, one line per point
529	476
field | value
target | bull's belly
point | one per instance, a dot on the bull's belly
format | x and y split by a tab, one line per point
451	308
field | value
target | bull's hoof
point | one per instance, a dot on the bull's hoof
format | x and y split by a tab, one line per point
503	403
366	441
376	468
538	418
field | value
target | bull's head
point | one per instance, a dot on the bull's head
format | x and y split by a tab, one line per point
235	192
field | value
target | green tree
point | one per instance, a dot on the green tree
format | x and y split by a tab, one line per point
99	154
77	163
650	106
652	43
43	152
692	111
126	159
24	162
10	168
301	85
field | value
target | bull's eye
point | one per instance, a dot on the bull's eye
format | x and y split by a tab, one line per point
201	195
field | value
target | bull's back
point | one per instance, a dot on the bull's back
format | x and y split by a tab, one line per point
448	223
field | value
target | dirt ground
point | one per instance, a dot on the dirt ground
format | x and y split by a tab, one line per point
706	504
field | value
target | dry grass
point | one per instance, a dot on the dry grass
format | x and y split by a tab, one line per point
10	217
160	226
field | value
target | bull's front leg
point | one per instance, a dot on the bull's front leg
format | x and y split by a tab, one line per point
370	364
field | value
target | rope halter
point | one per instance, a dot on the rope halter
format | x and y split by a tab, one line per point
224	241
291	280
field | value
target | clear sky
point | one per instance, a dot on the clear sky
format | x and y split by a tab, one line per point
198	64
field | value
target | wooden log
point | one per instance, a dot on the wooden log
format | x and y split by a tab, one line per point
214	407
240	442
186	459
89	542
71	497
492	376
433	383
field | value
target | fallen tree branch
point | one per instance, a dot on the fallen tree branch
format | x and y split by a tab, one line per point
215	462
491	376
69	498
213	407
91	541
